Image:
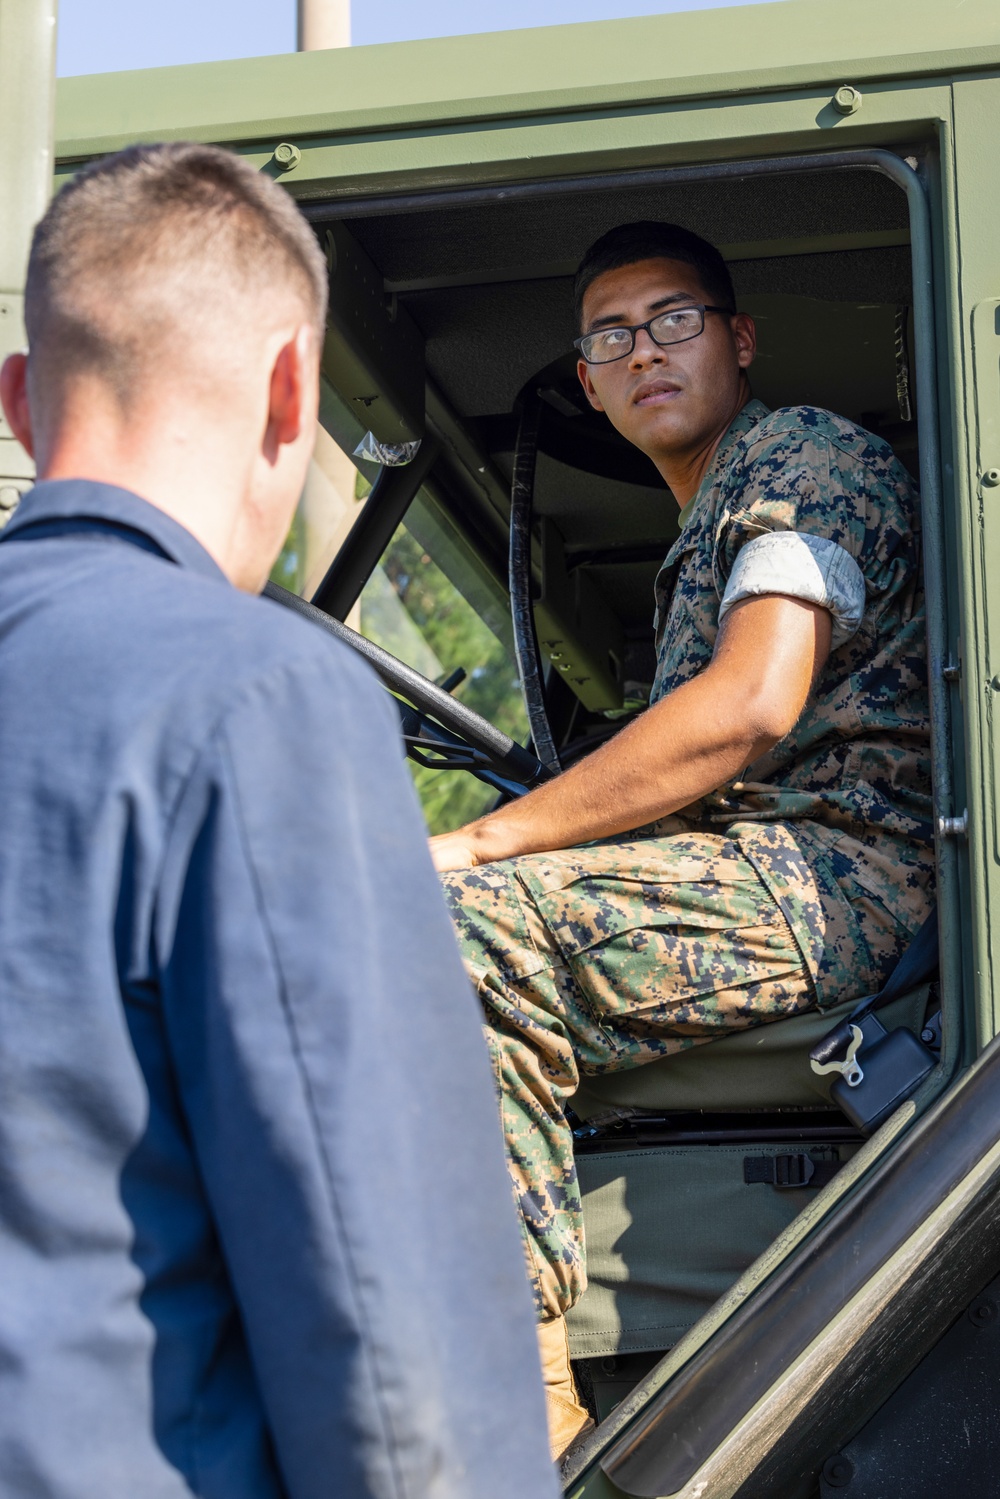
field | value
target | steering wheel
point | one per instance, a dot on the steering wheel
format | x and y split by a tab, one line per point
438	731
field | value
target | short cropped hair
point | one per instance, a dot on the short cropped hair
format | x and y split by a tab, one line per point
153	234
651	240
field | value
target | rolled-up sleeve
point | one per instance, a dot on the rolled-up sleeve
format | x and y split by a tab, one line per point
811	568
331	1069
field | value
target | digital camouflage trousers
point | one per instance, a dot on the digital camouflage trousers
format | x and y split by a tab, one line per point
604	957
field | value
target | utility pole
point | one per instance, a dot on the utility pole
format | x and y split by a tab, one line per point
322	24
27	100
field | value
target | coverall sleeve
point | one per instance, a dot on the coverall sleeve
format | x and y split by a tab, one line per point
331	1068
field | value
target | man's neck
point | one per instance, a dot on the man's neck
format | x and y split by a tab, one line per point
169	463
684	471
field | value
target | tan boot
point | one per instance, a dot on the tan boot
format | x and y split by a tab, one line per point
568	1421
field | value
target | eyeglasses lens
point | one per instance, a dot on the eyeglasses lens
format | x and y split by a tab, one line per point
609	344
676	326
672	327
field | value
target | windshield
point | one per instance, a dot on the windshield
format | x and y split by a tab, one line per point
331	499
433	604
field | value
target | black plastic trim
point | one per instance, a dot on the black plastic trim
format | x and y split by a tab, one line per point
508	192
391	496
520	583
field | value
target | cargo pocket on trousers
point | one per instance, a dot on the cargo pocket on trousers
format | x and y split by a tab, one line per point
659	933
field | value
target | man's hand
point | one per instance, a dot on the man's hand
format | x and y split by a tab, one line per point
769	653
452	851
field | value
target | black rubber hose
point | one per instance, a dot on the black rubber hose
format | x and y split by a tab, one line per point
529	659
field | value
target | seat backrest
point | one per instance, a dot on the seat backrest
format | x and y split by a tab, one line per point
766	1067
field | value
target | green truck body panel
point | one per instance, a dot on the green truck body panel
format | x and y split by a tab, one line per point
27	56
444	86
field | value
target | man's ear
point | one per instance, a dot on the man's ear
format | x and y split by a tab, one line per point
745	337
14	399
583	373
291	376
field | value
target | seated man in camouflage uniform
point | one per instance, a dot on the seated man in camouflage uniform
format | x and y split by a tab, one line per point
759	841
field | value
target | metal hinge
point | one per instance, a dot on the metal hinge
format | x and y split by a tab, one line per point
954	827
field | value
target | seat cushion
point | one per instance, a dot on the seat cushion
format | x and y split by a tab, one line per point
766	1067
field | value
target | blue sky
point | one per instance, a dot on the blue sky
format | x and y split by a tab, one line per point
100	36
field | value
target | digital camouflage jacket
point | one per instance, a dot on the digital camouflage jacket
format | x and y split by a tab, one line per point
853	778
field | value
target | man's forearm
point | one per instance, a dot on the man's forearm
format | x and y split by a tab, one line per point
690	743
674	753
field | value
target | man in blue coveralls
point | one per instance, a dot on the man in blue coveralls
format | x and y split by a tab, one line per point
256	1236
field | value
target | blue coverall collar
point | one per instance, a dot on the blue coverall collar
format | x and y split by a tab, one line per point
88	500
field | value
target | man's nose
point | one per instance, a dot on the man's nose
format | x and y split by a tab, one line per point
646	351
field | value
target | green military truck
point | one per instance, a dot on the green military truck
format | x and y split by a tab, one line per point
788	1297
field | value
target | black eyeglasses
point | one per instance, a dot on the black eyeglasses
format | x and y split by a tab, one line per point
675	326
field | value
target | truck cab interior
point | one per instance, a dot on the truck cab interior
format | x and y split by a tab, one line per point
451	327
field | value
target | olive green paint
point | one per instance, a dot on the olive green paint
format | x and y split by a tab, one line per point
27	57
975	368
696	1338
374	354
793	44
596	1485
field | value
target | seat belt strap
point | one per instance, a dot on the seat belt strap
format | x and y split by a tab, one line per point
918	964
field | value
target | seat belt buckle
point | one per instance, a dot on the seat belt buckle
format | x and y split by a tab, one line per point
876	1072
848	1065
